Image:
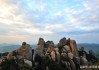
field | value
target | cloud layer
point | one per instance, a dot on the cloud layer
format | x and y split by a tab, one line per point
50	19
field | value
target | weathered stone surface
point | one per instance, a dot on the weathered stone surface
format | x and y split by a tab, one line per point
39	48
74	48
25	51
62	42
41	41
49	53
70	55
10	56
67	48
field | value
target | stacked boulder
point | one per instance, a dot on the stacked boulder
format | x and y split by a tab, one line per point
47	56
17	59
25	51
63	55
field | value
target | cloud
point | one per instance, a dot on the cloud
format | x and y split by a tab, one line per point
97	1
42	7
36	31
87	6
48	19
18	23
73	10
58	14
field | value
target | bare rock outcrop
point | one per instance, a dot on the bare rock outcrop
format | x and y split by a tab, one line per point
25	51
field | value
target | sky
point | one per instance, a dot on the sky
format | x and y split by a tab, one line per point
27	20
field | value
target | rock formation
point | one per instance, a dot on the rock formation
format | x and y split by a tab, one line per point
47	56
25	51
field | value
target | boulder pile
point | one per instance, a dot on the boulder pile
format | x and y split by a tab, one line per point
63	55
47	56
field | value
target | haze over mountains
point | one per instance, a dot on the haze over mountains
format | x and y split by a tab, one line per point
10	47
90	46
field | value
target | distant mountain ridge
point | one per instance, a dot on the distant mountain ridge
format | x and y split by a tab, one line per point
89	46
10	47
